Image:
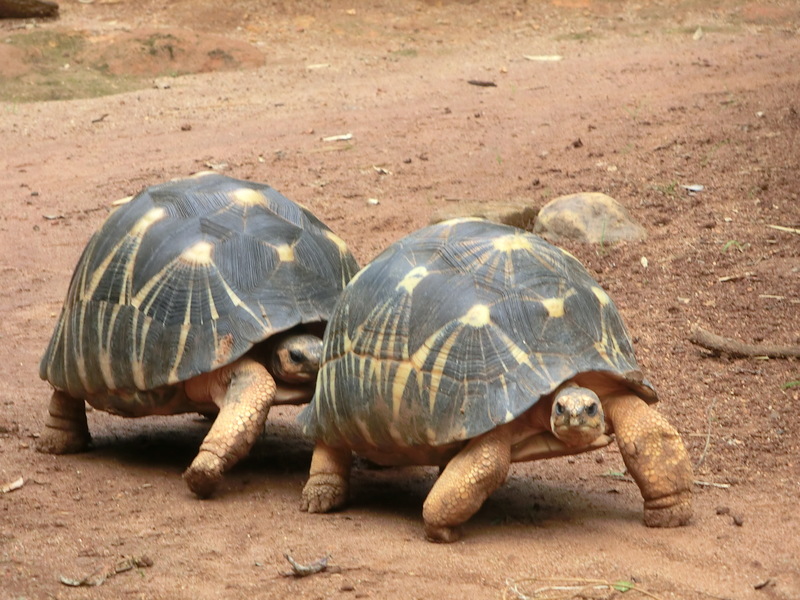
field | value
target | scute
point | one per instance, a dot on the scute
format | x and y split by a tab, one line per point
499	319
187	277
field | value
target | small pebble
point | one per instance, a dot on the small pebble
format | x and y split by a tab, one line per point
723	510
738	520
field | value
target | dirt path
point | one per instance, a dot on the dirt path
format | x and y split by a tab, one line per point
648	97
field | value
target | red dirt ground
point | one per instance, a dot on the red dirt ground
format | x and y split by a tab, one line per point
660	95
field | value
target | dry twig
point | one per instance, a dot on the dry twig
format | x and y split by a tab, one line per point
703	455
617	476
12	485
23	9
717	343
558	588
298	570
785	229
98	576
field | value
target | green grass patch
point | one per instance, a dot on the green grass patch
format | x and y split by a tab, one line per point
56	70
578	36
667	189
734	245
404	52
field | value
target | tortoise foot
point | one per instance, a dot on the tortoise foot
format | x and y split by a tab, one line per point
66	430
59	441
442	535
324	492
204	474
671	511
328	483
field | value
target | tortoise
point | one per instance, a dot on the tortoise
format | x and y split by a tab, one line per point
470	345
207	294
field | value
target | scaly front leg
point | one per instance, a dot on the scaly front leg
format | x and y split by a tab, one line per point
656	459
244	392
465	484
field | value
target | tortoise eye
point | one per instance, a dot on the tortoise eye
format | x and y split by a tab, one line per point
559	408
591	410
297	356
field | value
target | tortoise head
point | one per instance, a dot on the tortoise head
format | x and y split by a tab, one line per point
295	358
577	417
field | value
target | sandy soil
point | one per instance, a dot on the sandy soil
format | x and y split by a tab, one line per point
660	95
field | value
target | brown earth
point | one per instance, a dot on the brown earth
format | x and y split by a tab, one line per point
649	97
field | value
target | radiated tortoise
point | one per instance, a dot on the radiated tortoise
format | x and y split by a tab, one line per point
471	345
207	295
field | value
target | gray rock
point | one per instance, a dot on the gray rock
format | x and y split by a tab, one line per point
587	217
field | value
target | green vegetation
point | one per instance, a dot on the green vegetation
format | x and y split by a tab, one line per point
667	189
578	36
734	244
406	52
57	71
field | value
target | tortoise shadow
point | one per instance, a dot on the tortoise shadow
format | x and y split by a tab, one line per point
171	443
534	501
536	494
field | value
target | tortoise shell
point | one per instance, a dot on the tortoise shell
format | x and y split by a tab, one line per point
456	329
186	278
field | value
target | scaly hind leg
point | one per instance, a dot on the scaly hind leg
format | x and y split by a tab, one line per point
244	392
328	479
465	484
65	430
656	459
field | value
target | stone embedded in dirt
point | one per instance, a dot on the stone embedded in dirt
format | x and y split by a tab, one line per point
516	214
587	217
